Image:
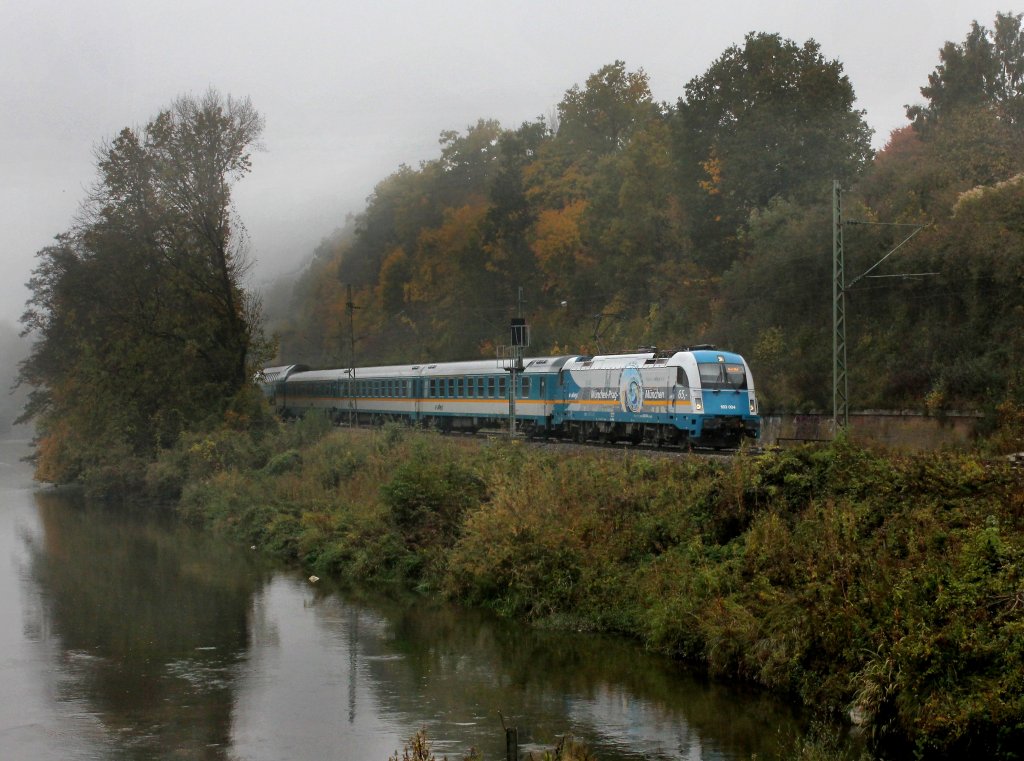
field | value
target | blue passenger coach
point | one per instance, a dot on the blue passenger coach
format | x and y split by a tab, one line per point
702	396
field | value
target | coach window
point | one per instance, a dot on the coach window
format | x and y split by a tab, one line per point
460	387
502	393
470	387
524	390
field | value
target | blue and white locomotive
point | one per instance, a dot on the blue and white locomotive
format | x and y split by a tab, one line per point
700	396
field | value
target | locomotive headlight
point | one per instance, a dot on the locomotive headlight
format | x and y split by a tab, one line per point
698	404
753	405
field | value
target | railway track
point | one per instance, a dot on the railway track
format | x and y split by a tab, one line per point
564	444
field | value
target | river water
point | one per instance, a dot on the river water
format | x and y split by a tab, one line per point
125	635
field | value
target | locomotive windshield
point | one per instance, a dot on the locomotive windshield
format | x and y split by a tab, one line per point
722	375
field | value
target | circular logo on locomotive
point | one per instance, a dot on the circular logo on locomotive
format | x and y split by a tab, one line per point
631	390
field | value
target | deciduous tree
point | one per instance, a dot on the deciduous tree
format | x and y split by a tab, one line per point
768	119
141	326
986	70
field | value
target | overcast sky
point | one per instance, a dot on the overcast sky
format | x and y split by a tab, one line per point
351	90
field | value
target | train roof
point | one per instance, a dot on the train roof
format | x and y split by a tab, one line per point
279	373
650	359
615	361
425	369
716	355
531	365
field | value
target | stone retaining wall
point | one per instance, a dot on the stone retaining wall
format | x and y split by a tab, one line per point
896	430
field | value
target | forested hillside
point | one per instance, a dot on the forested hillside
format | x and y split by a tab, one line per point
628	222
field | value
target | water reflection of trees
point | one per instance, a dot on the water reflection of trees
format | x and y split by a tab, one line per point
457	669
150	621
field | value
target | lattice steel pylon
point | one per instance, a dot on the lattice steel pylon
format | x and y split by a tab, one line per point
840	385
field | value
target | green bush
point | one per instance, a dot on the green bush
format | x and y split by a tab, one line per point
283	462
428	494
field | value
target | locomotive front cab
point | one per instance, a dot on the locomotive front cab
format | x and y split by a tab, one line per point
722	403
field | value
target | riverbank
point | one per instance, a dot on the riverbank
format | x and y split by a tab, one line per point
887	589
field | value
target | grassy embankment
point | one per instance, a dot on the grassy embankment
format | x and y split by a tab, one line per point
883	587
